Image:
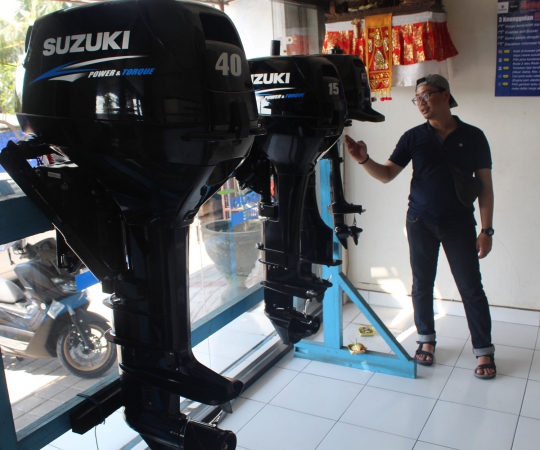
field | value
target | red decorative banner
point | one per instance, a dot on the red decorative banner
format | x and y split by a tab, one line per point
419	42
378	51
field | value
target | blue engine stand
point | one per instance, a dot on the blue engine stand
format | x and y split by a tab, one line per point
332	349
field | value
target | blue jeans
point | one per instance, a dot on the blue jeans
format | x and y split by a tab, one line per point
459	243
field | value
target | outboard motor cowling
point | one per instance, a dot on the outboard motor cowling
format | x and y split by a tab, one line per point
352	72
134	81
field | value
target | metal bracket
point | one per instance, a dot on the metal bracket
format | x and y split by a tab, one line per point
332	350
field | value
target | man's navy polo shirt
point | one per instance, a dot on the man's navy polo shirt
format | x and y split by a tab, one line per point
433	196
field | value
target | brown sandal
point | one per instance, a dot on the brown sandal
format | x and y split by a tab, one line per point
490	365
421	351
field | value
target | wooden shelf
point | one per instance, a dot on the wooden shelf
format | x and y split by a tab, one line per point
404	8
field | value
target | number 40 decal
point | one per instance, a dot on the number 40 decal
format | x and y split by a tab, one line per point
227	64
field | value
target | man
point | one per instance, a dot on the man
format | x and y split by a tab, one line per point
436	215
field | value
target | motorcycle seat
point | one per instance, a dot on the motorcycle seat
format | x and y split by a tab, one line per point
10	293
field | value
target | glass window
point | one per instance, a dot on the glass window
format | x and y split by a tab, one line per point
34	293
223	252
300	28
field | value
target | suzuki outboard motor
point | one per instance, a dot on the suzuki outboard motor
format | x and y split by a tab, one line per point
301	104
288	153
152	103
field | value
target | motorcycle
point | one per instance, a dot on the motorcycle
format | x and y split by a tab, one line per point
42	315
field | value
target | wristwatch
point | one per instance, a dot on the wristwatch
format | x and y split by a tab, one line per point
488	231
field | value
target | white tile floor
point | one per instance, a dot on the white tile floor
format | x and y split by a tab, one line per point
303	405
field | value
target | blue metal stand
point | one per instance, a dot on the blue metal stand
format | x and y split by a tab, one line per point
332	350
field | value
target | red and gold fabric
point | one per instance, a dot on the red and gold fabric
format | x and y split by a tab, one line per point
421	44
348	40
423	41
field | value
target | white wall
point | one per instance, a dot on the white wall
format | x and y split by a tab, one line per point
381	261
511	273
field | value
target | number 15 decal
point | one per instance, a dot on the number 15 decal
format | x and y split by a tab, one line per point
333	88
232	63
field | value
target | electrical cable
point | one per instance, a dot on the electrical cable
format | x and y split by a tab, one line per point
100	410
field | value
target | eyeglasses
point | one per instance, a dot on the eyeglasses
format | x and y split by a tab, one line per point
425	96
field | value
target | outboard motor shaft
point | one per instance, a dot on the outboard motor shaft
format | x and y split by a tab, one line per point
152	103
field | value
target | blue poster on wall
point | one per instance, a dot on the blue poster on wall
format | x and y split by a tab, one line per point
518	49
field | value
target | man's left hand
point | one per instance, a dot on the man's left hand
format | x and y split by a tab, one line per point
483	245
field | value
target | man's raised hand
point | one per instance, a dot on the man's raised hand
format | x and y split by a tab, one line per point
357	150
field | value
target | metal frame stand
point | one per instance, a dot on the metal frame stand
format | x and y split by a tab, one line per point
332	349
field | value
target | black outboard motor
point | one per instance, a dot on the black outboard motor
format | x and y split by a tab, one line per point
295	234
301	104
152	103
358	95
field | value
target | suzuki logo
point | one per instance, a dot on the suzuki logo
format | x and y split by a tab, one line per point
271	78
86	42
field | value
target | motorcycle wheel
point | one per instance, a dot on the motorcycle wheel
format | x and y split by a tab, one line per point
86	363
